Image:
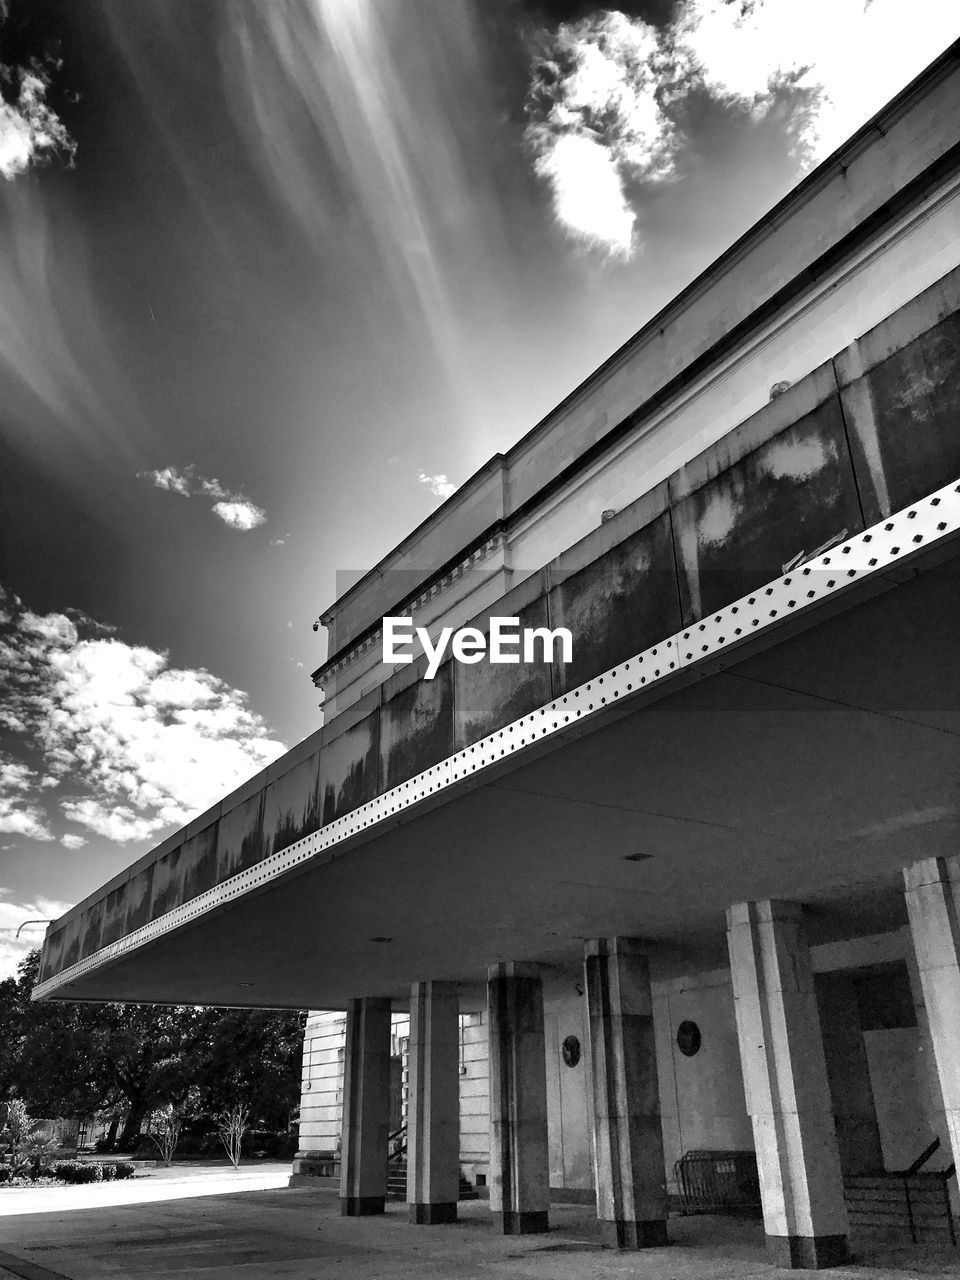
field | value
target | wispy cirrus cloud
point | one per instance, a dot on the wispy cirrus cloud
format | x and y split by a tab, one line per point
108	736
607	92
440	486
231	506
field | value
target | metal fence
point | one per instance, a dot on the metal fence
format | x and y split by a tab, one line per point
718	1182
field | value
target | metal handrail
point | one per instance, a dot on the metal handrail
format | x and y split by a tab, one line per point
945	1177
942	1175
920	1161
399	1136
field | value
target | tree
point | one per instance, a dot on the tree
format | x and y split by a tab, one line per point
77	1059
27	1147
251	1057
165	1126
231	1126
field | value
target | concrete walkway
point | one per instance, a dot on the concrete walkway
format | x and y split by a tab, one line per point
297	1233
149	1184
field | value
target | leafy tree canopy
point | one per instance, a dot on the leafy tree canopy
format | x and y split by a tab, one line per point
75	1059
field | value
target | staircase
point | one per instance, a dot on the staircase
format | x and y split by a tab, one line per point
397	1183
908	1202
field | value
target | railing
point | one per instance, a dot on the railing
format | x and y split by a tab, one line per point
718	1182
397	1145
908	1198
942	1176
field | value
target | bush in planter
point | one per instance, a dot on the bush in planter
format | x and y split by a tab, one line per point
76	1171
109	1172
6	1173
124	1169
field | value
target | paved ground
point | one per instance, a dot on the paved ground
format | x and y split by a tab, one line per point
297	1233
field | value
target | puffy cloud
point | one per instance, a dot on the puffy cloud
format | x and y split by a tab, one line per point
171	479
72	841
114	822
18	817
30	131
19	814
126	745
596	119
588	195
240	514
606	91
843	59
439	486
233	508
13	914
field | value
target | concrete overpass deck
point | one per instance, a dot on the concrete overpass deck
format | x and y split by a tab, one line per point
785	765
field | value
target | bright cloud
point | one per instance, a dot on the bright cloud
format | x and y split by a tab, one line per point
439	486
125	744
19	815
605	91
848	57
29	130
71	841
15	913
171	479
596	119
588	196
240	514
233	508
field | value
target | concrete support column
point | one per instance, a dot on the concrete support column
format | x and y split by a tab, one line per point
628	1138
785	1081
433	1115
933	906
519	1161
366	1108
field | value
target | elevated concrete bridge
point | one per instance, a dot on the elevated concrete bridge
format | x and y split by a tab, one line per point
754	750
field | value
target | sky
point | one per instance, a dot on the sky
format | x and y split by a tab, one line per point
276	277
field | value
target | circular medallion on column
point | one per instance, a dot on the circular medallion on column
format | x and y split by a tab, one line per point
571	1051
688	1038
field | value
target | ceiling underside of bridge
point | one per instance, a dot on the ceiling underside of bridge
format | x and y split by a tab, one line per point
814	770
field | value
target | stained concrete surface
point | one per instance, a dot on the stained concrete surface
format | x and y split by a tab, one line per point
297	1232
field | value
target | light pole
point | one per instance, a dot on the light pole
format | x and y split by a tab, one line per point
27	922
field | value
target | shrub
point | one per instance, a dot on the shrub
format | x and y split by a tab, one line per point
124	1169
76	1171
109	1172
37	1153
6	1173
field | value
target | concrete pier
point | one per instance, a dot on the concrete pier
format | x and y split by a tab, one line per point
628	1138
786	1086
933	906
366	1108
433	1117
519	1166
